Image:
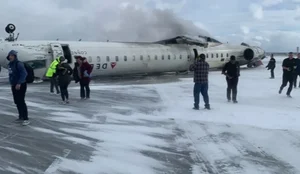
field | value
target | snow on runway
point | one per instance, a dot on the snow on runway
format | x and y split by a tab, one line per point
151	129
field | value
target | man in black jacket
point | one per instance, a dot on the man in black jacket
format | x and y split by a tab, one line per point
271	66
64	72
76	72
232	72
288	66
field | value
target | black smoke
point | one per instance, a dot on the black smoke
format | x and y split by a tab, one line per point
130	24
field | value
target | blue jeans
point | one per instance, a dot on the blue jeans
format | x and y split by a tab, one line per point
203	89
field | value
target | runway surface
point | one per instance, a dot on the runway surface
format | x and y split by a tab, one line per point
146	125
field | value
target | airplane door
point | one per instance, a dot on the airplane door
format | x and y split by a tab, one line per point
56	50
146	59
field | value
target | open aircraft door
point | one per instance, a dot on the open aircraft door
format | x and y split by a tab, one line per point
56	51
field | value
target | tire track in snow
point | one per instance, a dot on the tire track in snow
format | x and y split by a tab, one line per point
232	153
199	159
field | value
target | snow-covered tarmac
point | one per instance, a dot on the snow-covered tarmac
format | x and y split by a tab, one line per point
148	126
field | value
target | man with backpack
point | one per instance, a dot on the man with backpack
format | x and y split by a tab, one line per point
19	75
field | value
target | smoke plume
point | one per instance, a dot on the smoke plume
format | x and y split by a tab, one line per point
93	20
138	25
133	25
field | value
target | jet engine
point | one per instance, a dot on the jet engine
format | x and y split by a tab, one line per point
248	54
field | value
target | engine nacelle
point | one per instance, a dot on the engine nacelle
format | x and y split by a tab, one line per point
248	54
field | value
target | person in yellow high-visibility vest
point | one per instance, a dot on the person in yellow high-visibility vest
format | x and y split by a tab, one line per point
51	73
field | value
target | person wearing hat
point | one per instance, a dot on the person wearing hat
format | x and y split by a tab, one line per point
232	72
288	66
51	73
201	69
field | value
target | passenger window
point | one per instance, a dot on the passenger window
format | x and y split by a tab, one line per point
125	58
117	58
98	58
162	57
180	57
206	55
174	57
221	54
169	57
107	58
155	57
227	55
133	58
149	57
217	55
212	55
141	57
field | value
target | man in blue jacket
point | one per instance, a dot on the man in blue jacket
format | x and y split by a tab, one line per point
17	79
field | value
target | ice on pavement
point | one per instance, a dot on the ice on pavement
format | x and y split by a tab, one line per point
152	128
247	137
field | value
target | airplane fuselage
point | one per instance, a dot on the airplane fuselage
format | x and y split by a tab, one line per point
111	58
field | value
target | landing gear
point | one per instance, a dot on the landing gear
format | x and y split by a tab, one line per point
10	29
249	65
254	64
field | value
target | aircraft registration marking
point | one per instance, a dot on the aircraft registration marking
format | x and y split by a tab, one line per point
104	65
99	66
79	52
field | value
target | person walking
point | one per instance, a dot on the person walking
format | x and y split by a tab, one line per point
201	70
232	72
64	72
297	71
17	78
51	73
85	78
271	66
288	66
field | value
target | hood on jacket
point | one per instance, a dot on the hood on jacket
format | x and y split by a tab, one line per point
12	52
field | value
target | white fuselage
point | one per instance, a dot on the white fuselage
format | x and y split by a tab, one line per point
110	58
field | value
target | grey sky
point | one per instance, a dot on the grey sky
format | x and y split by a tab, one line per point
92	20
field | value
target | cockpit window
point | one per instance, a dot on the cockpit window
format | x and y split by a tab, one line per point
36	64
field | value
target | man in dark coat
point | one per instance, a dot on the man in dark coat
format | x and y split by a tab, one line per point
64	72
288	66
297	70
271	66
232	72
76	69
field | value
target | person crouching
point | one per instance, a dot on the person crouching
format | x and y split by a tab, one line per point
64	72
